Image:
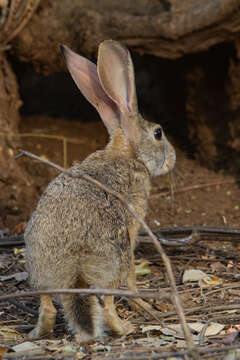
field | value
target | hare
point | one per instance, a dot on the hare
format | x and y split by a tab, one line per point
80	236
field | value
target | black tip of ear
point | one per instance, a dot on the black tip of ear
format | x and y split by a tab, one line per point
63	49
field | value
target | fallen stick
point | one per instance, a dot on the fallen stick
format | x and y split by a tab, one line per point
197	187
193	234
87	292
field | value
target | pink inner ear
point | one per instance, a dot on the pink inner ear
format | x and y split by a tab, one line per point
116	74
85	75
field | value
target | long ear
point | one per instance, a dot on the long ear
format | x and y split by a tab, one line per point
116	73
85	75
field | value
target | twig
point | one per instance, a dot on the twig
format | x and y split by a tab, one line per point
197	186
87	292
26	354
201	309
21	306
197	233
8	241
64	139
202	230
188	240
175	298
45	161
223	287
153	315
214	319
133	355
213	308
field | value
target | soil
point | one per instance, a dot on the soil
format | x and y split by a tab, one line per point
192	195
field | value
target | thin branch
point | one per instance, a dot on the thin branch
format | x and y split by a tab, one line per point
175	298
64	139
9	241
193	234
45	161
28	354
202	230
133	355
197	233
88	292
188	240
213	320
197	187
202	309
21	306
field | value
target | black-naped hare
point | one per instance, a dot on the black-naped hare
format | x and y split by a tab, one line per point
79	235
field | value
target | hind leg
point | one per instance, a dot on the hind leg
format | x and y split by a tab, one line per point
46	318
118	326
131	283
137	304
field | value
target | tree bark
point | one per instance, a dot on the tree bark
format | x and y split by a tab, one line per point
165	28
15	185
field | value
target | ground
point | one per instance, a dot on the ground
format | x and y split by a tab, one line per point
191	196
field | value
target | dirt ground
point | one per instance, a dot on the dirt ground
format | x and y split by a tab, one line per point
198	196
191	196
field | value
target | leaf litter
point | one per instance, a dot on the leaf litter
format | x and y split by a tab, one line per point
215	305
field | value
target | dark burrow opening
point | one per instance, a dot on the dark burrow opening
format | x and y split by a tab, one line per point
188	96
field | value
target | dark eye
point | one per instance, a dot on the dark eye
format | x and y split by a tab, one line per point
158	133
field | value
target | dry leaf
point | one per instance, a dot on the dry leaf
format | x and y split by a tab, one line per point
3	351
176	329
9	333
44	157
142	268
53	345
20	227
193	275
218	267
27	345
150	328
101	347
230	264
69	350
214	329
210	280
151	341
20	276
181	344
17	251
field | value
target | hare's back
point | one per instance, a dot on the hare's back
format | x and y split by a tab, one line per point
75	210
77	222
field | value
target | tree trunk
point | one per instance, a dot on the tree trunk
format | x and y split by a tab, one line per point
15	185
165	28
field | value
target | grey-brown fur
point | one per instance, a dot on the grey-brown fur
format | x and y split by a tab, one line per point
79	235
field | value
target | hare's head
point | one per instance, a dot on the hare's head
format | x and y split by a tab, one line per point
110	88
